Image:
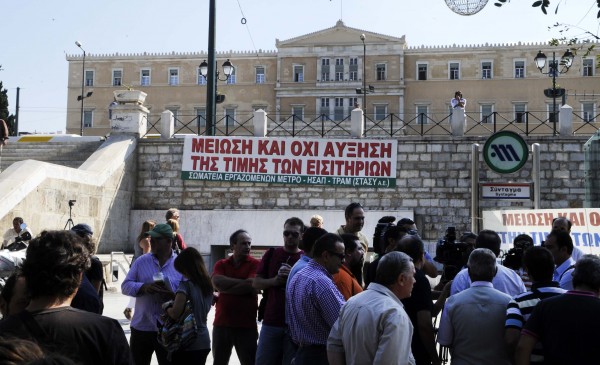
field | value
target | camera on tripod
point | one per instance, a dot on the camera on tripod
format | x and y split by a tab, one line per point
70	223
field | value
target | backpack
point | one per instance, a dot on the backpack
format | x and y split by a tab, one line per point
177	334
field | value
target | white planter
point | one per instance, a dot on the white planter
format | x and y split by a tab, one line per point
130	96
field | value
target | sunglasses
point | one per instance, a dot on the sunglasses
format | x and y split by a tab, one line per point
294	234
340	256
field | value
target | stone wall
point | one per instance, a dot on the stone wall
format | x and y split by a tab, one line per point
103	187
433	180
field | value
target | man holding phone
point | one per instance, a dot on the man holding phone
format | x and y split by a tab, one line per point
458	101
274	344
153	280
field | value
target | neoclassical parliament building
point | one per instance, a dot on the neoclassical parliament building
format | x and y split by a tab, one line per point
323	73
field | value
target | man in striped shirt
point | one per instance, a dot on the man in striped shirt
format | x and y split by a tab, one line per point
539	263
313	301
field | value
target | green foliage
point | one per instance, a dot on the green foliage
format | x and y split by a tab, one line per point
580	44
9	118
543	5
576	45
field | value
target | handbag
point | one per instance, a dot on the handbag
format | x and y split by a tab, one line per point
177	334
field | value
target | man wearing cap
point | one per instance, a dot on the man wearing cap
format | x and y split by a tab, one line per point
88	295
153	280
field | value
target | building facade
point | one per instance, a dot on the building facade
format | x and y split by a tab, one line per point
321	77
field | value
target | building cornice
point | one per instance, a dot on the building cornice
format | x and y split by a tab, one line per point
170	55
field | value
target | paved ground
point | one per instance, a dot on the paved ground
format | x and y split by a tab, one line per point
115	303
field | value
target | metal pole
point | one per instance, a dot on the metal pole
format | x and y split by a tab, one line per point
82	86
554	70
211	81
475	188
535	151
364	77
16	131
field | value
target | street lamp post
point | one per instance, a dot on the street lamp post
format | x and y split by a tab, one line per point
78	44
553	70
364	90
212	98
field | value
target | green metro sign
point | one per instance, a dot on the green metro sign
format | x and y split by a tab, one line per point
505	152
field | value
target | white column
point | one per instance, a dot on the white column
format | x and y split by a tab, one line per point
260	123
357	123
565	120
167	124
129	119
458	122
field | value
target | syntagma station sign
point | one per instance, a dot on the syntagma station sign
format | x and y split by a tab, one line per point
340	162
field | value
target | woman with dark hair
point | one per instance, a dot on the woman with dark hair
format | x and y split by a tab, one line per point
199	290
53	268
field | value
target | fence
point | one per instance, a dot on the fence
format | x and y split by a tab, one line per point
390	125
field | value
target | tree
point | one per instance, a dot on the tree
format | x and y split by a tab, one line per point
581	43
543	5
9	118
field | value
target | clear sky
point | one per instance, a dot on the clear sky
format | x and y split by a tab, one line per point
38	34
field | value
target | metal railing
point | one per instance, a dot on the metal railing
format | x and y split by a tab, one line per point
389	125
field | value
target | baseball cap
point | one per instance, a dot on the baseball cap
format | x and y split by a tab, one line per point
82	229
404	221
161	230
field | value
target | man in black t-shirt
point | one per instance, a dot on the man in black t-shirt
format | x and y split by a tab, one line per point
419	306
564	324
52	269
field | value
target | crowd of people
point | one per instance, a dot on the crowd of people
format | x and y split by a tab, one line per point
321	303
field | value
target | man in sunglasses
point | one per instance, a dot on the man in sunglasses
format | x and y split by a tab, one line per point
314	302
274	344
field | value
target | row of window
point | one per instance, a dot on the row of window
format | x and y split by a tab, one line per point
173	77
454	72
339	72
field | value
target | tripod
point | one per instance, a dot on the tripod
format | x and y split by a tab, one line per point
70	222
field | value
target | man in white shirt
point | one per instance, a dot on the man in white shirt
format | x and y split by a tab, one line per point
472	323
373	327
505	280
16	231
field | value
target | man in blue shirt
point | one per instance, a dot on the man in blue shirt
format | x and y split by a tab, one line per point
153	280
313	301
505	280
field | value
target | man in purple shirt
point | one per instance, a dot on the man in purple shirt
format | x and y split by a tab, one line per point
314	302
153	280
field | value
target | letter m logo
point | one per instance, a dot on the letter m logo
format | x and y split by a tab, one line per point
505	152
